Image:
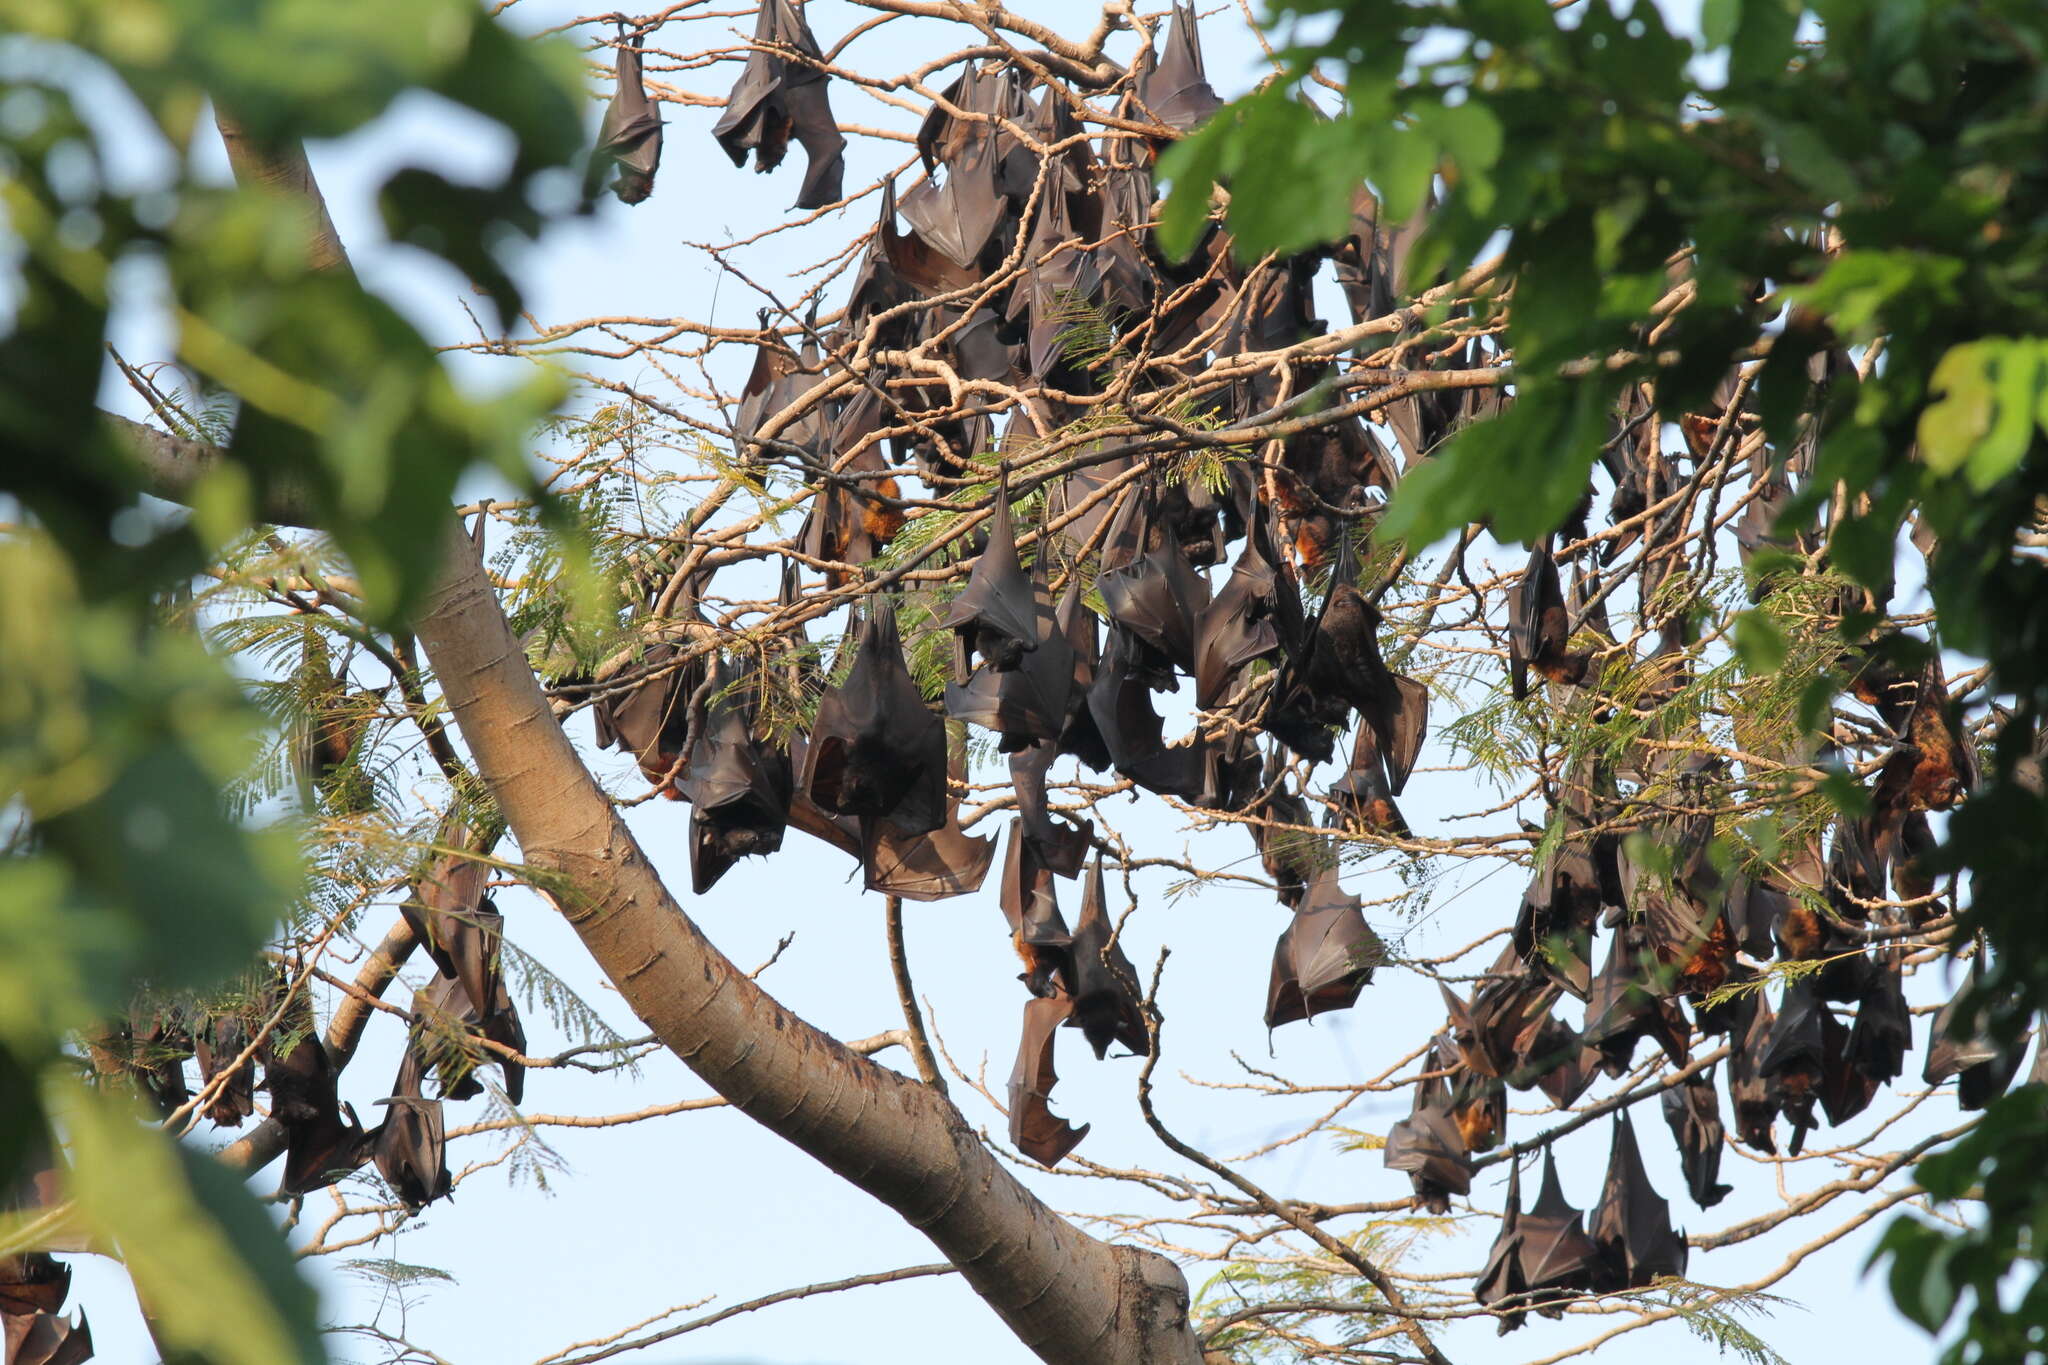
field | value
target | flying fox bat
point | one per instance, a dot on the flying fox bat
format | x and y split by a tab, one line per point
899	268
652	721
1845	1091
1695	1118
1624	1004
1324	957
1632	1224
1037	929
630	137
959	216
158	1058
1289	856
1120	702
1883	1032
1553	929
443	1016
323	1140
777	98
218	1042
876	751
778	378
1124	214
47	1339
1361	800
1032	702
1059	277
1237	626
1105	988
1539	627
457	924
1175	88
1557	1258
1500	1285
988	96
1061	845
1795	1059
1754	1100
738	787
1982	1068
1034	1129
412	1151
33	1282
1158	598
1428	1147
927	867
1477	1103
996	614
1339	670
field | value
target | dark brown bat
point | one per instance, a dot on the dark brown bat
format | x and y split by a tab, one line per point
1694	1114
1104	985
1034	1129
323	1140
995	93
1124	212
45	1339
1428	1147
1037	929
652	721
1793	1062
899	268
412	1151
996	614
925	867
1883	1032
1982	1068
1339	670
1060	279
630	137
1062	845
1500	1285
1553	929
1362	800
1175	88
1237	626
1120	702
1845	1091
1033	702
876	751
779	377
1324	957
1752	1098
779	97
1158	598
1632	1224
1625	1004
33	1282
1477	1103
444	1019
217	1043
738	787
1539	627
1289	856
1558	1260
959	217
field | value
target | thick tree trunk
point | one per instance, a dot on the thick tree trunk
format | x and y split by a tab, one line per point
1067	1296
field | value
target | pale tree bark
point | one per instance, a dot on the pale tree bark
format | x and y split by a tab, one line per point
1069	1297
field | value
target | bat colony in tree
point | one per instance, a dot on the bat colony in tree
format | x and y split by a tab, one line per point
1050	474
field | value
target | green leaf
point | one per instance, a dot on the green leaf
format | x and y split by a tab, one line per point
205	1258
1951	427
1719	20
1760	642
